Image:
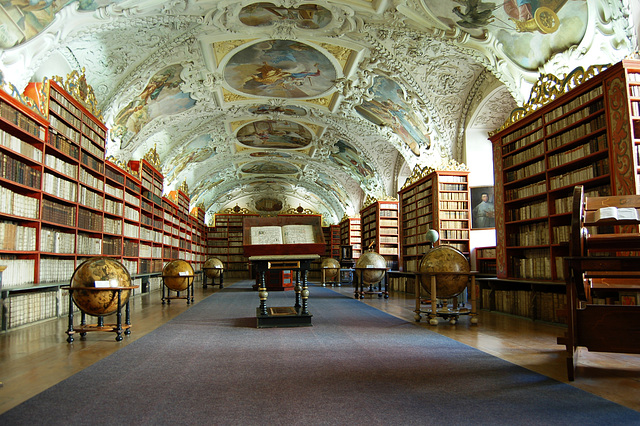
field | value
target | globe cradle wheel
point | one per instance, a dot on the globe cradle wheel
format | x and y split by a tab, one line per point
370	259
177	274
331	268
213	267
445	259
101	269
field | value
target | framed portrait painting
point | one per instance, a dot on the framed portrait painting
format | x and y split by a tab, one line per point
483	214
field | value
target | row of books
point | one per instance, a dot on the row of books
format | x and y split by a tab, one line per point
89	220
70	170
591	147
55	269
453	205
517	158
59	213
535	264
112	226
111	246
462	196
112	207
591	171
15	237
521	143
14	275
19	172
561	234
60	187
18	145
66	115
449	214
55	241
454	234
116	192
30	307
454	224
63	145
17	204
518	133
63	128
530	190
575	103
90	198
89	245
532	234
453	187
16	117
529	211
596	124
526	171
576	116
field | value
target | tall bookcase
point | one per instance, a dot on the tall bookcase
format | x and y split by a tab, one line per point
61	202
350	235
590	136
438	200
379	225
224	241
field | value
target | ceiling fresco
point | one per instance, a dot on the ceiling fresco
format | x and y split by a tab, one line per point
319	106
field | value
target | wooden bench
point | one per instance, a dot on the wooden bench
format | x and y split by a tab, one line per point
601	260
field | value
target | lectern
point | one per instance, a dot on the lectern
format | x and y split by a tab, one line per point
283	243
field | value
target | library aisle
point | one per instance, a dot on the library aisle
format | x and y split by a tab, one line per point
35	357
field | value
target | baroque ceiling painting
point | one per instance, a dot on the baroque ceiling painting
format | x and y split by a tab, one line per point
274	134
319	106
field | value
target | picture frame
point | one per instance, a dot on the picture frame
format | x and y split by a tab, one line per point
628	298
482	210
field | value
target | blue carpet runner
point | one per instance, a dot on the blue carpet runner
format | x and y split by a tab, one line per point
355	365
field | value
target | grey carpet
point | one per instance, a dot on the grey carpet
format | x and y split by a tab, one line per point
355	365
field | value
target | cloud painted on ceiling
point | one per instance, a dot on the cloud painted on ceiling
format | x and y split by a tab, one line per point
280	68
305	16
348	158
388	107
196	151
161	97
274	134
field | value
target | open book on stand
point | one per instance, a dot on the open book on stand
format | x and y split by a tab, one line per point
285	234
616	213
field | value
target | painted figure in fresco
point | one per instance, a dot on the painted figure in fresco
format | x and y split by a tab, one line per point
484	213
476	15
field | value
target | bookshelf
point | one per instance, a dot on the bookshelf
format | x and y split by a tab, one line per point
62	203
439	200
486	260
379	226
350	235
590	136
224	241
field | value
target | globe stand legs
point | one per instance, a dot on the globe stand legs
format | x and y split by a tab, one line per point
451	313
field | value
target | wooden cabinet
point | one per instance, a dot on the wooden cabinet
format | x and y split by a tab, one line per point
224	241
486	260
588	136
438	200
350	235
379	227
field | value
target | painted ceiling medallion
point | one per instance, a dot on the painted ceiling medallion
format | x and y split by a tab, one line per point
268	205
305	16
276	109
270	168
280	68
274	134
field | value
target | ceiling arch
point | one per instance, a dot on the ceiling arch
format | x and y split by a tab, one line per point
320	105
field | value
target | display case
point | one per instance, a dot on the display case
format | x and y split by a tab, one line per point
300	234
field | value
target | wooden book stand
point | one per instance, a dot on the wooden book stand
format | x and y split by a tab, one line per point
602	260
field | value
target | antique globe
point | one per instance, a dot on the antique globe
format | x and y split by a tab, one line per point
445	259
370	259
100	272
177	275
213	267
331	267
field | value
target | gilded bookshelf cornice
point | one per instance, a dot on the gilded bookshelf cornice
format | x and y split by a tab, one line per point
419	172
76	85
298	210
236	210
548	88
184	187
153	158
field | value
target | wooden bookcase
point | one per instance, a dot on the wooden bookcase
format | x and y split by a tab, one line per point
334	241
350	235
62	202
439	200
486	260
379	226
224	241
590	136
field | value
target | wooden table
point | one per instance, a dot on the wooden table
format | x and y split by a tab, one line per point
117	328
296	316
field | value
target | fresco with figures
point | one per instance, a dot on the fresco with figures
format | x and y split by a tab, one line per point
161	97
529	31
348	158
274	134
280	68
270	168
305	16
276	109
196	151
388	107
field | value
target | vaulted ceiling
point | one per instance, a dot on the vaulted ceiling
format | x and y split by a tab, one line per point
320	105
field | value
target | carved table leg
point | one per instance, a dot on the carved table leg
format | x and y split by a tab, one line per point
305	293
263	294
70	331
119	318
297	289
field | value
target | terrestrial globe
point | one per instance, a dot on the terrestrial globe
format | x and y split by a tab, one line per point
213	267
177	275
370	259
105	271
445	259
331	267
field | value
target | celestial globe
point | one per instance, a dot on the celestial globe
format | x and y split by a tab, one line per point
331	267
100	272
177	275
445	259
370	259
213	267
432	236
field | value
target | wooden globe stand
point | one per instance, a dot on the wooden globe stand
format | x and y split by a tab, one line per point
335	281
84	328
375	288
205	277
189	290
448	313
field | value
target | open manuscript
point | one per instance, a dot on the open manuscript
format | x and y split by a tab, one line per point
286	234
616	213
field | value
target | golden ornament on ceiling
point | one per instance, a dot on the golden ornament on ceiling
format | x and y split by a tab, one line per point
153	158
76	85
